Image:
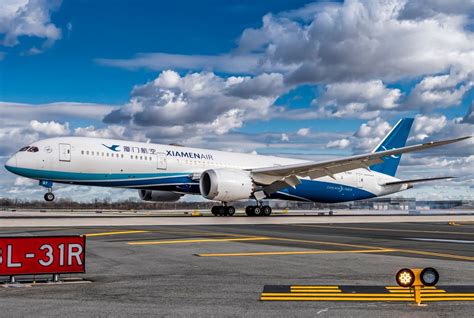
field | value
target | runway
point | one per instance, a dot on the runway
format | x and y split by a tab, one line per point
220	270
42	219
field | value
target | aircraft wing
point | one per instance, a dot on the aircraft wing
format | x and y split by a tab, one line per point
279	177
416	180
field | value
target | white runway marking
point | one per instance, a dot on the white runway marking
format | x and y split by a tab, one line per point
439	240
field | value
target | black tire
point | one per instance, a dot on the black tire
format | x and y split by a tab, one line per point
49	196
257	211
214	210
221	210
230	211
266	210
249	211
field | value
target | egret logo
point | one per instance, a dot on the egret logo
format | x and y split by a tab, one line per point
391	156
113	147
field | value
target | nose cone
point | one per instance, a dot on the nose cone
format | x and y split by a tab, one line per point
11	163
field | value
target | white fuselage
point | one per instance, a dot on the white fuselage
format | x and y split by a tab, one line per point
128	164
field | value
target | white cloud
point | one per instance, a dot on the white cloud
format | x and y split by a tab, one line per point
24	182
22	124
424	126
197	104
441	91
303	132
360	40
28	18
340	143
50	128
367	136
357	99
111	132
243	63
284	137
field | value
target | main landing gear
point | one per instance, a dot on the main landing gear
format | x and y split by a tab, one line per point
258	210
223	210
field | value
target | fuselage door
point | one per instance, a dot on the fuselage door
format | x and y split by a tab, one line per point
161	161
64	152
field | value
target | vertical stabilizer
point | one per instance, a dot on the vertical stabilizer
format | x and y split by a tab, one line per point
396	138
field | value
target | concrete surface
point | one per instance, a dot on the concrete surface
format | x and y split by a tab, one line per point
196	270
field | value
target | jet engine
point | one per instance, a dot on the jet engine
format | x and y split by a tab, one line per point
226	185
159	196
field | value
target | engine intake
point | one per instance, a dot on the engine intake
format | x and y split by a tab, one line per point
226	185
158	196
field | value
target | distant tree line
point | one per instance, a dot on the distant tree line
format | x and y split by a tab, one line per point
133	204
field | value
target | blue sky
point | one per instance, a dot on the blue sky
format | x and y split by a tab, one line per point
295	78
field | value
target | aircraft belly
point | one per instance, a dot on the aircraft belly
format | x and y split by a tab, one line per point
325	192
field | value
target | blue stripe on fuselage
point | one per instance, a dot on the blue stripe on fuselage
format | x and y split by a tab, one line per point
320	191
308	190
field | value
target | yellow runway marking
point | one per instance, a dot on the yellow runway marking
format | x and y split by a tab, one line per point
293	253
314	287
341	298
115	233
407	288
333	295
257	238
324	243
308	291
442	255
381	229
422	291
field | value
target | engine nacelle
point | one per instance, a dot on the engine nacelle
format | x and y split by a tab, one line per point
226	185
158	196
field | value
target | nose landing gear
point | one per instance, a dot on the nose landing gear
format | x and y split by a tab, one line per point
49	196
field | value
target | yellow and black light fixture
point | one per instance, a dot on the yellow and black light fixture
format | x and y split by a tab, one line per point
417	278
405	277
429	276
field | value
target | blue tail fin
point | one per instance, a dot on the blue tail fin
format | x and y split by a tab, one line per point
396	138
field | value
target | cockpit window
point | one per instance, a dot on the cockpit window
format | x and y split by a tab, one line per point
33	149
24	148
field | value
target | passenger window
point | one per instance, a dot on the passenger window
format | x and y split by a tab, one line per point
82	152
87	152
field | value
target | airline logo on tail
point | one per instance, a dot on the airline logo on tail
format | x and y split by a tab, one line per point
392	156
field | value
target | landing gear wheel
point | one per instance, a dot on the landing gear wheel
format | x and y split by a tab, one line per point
214	210
249	211
257	211
49	196
266	210
220	210
230	210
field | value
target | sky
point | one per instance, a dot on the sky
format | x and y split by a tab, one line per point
303	79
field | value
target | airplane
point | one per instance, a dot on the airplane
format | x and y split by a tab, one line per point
167	172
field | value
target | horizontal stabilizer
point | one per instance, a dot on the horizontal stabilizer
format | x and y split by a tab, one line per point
417	180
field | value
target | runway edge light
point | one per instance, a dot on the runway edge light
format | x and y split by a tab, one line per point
417	278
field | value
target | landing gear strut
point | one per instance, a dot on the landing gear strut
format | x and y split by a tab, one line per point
49	196
223	210
258	210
